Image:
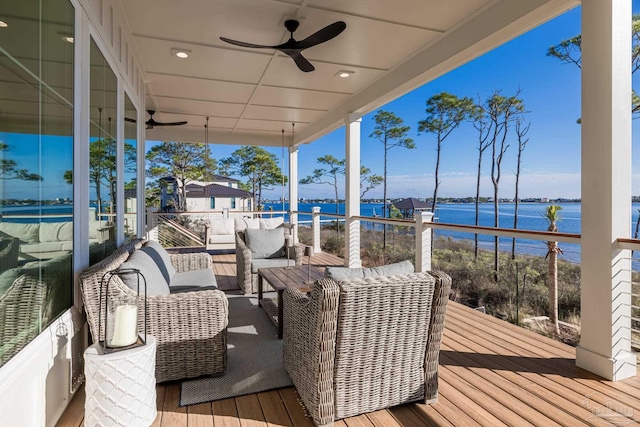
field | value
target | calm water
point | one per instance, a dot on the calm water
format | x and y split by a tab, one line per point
529	218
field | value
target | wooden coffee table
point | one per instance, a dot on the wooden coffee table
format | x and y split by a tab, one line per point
281	278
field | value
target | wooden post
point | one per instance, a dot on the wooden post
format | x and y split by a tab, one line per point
352	191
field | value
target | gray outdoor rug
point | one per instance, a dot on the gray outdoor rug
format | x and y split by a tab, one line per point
254	357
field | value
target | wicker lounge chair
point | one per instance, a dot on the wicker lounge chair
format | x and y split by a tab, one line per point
248	265
190	327
365	344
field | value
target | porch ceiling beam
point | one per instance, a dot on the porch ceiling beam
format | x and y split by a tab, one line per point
489	28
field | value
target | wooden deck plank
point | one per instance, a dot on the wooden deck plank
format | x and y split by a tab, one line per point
200	415
172	413
450	412
73	416
225	413
561	370
521	371
383	419
296	412
547	390
275	413
467	405
358	421
160	394
249	411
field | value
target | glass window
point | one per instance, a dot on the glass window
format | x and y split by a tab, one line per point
36	179
212	202
130	168
102	157
233	203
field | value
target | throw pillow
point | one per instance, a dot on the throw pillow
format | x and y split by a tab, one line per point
271	222
221	226
242	224
343	273
265	243
156	284
161	258
404	267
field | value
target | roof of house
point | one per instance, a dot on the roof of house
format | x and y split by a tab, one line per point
215	190
411	203
130	193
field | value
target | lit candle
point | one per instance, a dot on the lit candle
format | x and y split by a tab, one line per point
125	328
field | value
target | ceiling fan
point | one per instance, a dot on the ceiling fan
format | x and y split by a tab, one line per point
294	48
152	123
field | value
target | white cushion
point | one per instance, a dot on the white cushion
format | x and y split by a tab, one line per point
265	243
27	233
242	224
222	238
219	226
49	231
65	233
271	222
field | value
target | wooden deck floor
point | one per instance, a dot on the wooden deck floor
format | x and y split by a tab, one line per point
492	373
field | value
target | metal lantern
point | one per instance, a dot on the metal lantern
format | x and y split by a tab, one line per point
121	313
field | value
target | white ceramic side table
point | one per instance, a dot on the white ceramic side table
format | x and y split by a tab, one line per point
121	386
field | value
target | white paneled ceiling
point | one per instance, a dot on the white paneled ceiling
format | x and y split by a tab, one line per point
251	95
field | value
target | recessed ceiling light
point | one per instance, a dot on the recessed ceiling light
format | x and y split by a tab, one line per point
181	53
344	73
3	24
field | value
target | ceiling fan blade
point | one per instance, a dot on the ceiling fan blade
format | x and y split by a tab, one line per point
127	119
323	35
301	62
244	44
170	124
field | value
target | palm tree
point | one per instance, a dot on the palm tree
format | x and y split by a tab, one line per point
552	216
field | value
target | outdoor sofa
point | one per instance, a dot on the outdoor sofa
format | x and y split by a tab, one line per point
361	344
187	313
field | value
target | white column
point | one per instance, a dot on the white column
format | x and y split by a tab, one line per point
119	199
315	229
606	189
352	191
423	241
293	190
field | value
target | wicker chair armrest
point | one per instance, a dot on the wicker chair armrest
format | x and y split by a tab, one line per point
310	324
187	315
243	264
189	262
436	327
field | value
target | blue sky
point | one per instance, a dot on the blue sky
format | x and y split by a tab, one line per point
551	163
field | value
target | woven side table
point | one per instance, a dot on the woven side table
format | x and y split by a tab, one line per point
120	386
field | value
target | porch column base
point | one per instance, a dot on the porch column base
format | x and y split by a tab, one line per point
623	366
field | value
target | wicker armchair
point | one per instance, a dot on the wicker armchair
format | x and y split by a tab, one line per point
23	313
247	274
190	328
365	344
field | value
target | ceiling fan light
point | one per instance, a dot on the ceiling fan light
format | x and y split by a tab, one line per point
344	73
3	24
181	53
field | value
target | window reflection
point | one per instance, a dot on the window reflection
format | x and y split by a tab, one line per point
36	179
102	157
130	169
